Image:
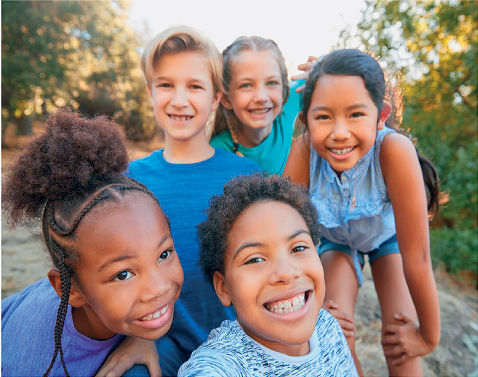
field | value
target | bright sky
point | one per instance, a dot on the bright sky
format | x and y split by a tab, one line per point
300	28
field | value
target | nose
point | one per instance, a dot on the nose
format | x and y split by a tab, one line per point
180	98
341	130
153	285
260	94
285	270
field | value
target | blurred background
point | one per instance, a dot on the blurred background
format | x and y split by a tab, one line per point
85	54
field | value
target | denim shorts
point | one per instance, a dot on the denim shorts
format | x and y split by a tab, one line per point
390	246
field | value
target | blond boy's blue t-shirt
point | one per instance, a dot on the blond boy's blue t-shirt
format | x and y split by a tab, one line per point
184	191
272	153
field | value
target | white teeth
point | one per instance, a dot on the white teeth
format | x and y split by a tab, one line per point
180	118
341	151
286	306
155	315
259	111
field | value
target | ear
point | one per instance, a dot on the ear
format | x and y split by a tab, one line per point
386	109
225	101
149	91
76	298
216	100
302	119
221	289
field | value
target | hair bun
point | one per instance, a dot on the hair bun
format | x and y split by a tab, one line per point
65	157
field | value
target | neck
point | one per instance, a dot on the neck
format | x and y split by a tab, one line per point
252	137
88	324
186	151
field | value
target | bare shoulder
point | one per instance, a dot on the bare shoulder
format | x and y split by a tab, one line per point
397	152
297	166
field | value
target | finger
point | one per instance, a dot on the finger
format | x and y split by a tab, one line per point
390	339
402	317
105	368
154	369
122	366
330	304
348	334
394	352
392	329
300	76
402	359
300	89
346	325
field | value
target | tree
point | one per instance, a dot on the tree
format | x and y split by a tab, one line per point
72	53
433	47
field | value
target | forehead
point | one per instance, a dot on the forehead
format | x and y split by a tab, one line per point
341	88
184	62
249	60
264	220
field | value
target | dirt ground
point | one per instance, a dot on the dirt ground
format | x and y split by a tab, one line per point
24	261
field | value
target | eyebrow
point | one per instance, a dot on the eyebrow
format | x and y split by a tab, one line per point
352	107
193	79
127	256
259	244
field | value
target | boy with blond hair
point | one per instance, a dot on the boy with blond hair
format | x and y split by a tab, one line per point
183	72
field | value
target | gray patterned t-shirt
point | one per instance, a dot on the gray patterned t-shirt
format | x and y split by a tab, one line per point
230	352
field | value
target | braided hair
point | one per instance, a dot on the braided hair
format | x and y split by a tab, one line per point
72	167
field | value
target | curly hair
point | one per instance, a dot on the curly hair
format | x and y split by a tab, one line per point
239	194
60	177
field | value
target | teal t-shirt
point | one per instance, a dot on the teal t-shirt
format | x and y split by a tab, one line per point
272	153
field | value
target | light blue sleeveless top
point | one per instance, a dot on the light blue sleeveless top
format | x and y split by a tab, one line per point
371	222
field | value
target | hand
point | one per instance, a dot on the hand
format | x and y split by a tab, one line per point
306	67
345	321
406	340
131	351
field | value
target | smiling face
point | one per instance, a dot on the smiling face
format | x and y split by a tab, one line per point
342	120
255	91
273	276
182	94
129	273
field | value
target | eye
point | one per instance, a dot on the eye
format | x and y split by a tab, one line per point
298	249
196	87
254	260
273	82
123	275
356	115
322	117
165	255
164	85
245	86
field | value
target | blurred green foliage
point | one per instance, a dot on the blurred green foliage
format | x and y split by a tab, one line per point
80	54
432	45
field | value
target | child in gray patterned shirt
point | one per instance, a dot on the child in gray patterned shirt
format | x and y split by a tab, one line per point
258	249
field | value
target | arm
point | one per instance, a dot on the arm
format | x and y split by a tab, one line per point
131	351
297	166
403	177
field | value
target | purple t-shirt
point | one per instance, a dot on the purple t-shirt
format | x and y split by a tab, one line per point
28	324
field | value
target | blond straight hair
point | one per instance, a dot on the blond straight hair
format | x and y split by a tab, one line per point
178	39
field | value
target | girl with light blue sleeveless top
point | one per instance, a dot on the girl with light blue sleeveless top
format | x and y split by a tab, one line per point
367	181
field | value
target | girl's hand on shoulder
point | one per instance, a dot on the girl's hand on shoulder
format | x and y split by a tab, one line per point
306	67
345	321
407	340
130	352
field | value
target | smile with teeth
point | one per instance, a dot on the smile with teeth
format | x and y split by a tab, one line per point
287	306
342	151
180	118
258	111
156	314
